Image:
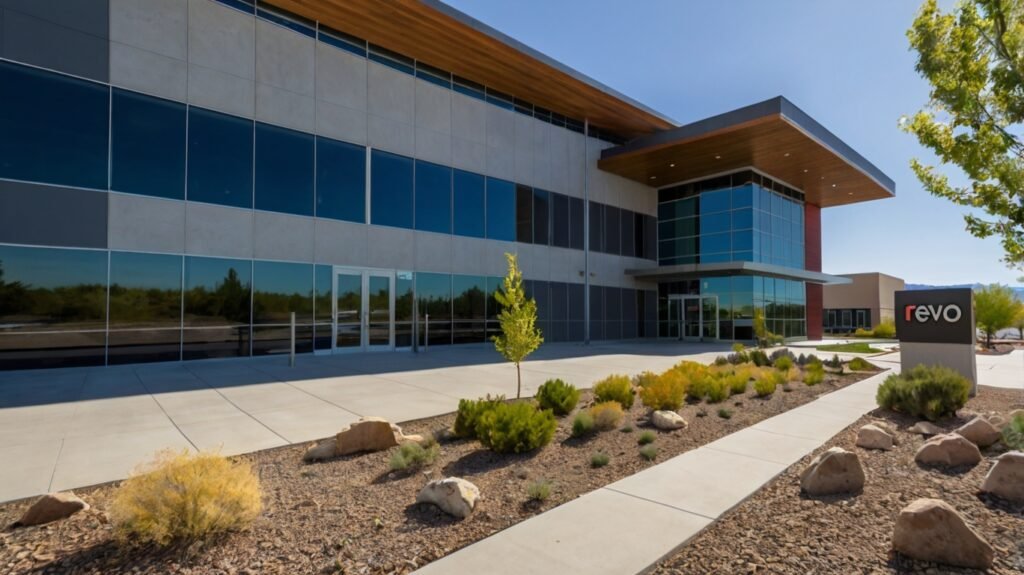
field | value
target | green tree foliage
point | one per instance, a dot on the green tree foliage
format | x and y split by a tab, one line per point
995	308
518	318
973	58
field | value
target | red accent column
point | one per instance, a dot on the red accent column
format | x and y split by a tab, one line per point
812	262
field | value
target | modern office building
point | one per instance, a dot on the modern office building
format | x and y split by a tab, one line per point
178	176
866	301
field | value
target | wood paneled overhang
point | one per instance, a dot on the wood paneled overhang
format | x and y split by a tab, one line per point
774	137
437	34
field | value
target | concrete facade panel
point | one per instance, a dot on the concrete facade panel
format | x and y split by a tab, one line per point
285	108
391	94
35	214
341	243
218	231
221	38
143	223
340	123
469	255
158	26
469	155
42	42
285	59
282	237
390	247
340	77
433	252
433	146
469	118
148	72
501	164
390	135
221	91
433	107
501	128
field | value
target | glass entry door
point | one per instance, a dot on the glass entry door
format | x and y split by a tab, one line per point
696	316
364	304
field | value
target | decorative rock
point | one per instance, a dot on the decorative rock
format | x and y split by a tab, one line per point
871	436
931	530
886	427
320	451
414	438
455	496
1006	478
668	420
997	420
926	428
950	450
51	507
367	434
834	471
980	432
1016	413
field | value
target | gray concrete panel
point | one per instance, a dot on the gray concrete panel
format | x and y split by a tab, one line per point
341	243
433	252
469	256
340	123
285	108
143	223
501	163
391	93
340	77
282	237
501	128
34	40
159	26
285	59
433	107
390	247
221	91
212	230
149	72
433	146
387	134
957	356
88	16
469	118
469	155
36	214
221	38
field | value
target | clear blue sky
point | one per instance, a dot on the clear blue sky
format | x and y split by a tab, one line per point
846	63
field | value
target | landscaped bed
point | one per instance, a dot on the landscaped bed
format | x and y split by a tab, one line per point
780	530
354	515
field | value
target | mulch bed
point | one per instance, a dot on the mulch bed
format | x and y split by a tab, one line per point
779	530
352	515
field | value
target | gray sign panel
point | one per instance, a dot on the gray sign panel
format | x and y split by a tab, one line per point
935	316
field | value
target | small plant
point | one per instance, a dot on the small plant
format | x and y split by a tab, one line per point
649	452
885	330
702	412
607	415
646	438
582	424
614	388
814	374
645	378
599	460
860	364
721	360
718	390
737	382
411	456
725	413
834	363
515	428
812	360
759	358
783	363
767	382
932	392
626	428
738	347
1013	433
786	387
186	497
469	413
539	490
666	392
558	396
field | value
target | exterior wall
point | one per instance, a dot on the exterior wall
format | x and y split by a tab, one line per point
812	261
872	291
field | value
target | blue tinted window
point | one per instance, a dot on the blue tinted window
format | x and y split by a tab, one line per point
53	128
219	159
147	146
281	288
433	198
468	204
715	223
49	289
541	216
742	219
711	202
284	170
390	190
743	197
715	243
743	241
145	290
340	180
501	210
217	292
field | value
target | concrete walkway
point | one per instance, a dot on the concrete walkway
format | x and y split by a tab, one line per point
68	428
628	526
1006	371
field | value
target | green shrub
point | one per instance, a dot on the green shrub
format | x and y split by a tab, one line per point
738	347
539	490
783	363
607	415
646	437
614	388
885	330
861	332
1013	433
582	424
665	392
558	396
469	413
737	382
721	360
645	378
834	363
719	390
599	460
814	374
860	364
767	382
813	360
626	428
725	413
932	392
759	358
515	428
699	387
649	452
412	456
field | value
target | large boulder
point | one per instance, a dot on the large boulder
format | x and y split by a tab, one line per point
455	496
871	436
925	428
834	471
367	434
980	432
668	420
51	507
1006	478
931	530
949	450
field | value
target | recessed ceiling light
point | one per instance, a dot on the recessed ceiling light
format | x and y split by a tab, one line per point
823	177
833	185
849	193
786	154
671	165
718	157
805	171
654	177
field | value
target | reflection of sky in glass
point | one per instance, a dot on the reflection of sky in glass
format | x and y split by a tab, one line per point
146	271
283	278
210	272
50	268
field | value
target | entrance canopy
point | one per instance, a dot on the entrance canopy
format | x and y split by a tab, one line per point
694	271
773	136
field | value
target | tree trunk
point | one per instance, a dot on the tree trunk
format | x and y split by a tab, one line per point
519	381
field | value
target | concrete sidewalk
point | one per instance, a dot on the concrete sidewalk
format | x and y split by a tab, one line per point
630	525
68	428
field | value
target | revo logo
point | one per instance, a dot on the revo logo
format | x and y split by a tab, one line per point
925	313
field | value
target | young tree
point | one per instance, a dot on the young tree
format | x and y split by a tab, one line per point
518	317
995	308
974	60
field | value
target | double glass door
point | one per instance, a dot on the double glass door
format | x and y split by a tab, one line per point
697	317
364	309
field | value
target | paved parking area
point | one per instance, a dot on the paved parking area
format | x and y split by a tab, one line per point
62	429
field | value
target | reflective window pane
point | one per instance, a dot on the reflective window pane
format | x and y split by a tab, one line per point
145	290
53	128
279	289
147	146
596	238
217	292
576	223
469	295
433	198
403	308
391	185
468	204
711	202
322	307
340	180
501	210
220	152
284	170
628	237
434	292
612	231
541	216
49	289
524	214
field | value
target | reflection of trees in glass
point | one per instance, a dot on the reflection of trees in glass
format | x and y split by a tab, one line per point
271	307
227	303
25	304
140	305
470	304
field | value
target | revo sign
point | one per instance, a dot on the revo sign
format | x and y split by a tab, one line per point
935	316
